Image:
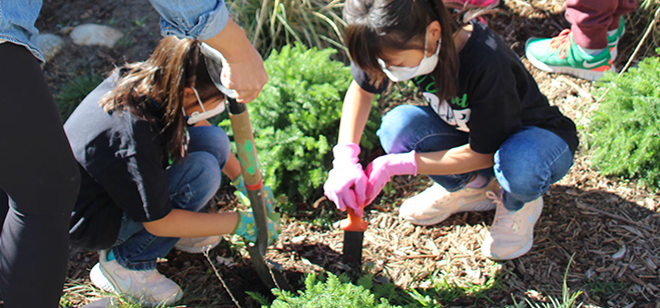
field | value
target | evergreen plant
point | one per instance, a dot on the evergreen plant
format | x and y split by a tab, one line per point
295	121
624	133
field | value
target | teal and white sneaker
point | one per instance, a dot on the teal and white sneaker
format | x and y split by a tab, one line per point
560	54
613	40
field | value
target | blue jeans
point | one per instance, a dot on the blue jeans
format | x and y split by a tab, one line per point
192	183
525	164
200	19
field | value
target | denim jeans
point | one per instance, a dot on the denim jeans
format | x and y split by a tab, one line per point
192	183
201	19
525	164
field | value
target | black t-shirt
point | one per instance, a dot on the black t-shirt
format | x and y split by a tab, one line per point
123	161
496	97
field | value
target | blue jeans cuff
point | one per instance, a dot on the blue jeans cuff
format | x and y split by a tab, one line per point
134	266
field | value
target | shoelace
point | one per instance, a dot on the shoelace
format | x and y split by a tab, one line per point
562	42
506	219
497	198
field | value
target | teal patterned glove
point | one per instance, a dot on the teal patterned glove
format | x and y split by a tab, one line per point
269	198
247	228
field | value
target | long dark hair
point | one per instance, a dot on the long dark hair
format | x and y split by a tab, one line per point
174	65
377	25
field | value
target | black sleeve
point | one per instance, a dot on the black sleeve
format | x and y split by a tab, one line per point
496	107
138	182
364	80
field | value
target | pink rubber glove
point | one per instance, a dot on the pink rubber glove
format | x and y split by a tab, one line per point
381	170
347	183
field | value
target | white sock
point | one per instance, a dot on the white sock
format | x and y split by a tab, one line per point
612	32
592	52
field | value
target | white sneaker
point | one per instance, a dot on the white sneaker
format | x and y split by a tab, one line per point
512	233
436	204
148	287
197	244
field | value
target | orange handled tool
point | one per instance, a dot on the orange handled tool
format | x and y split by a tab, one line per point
354	228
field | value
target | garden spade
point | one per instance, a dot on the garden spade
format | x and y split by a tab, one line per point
247	156
354	228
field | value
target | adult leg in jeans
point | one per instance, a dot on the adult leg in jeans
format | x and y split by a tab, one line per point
40	175
192	183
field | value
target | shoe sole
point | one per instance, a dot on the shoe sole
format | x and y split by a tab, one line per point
525	249
101	281
578	72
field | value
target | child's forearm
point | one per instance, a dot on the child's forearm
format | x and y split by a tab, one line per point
454	161
183	223
355	112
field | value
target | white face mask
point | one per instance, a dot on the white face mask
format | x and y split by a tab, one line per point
401	73
205	114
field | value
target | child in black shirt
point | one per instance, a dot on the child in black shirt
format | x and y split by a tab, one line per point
149	162
488	138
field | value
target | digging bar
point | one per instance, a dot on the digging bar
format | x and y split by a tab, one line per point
247	156
354	228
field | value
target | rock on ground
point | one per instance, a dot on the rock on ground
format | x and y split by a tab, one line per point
93	34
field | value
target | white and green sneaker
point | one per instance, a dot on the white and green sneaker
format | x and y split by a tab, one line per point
560	54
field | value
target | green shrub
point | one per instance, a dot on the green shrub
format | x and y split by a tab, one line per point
296	121
334	292
624	133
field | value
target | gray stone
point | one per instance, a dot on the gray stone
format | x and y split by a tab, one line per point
50	45
93	34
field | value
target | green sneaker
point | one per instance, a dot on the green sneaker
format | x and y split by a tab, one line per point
613	40
561	55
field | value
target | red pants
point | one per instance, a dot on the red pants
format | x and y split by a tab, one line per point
591	19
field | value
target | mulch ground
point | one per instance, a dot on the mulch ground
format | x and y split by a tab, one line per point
608	227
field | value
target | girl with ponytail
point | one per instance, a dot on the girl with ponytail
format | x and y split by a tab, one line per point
149	162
